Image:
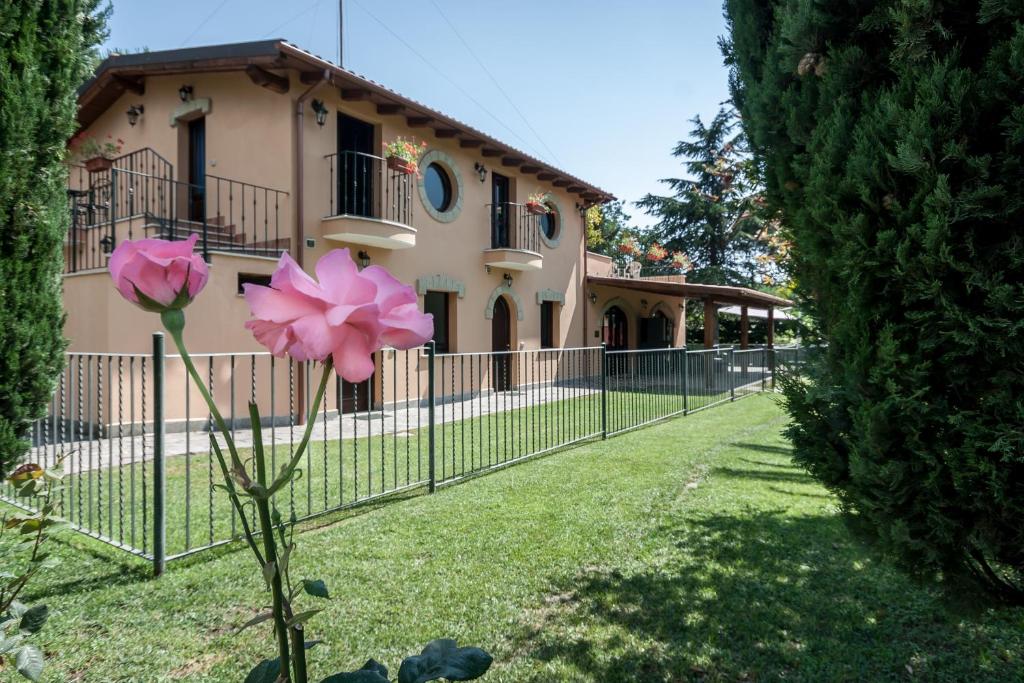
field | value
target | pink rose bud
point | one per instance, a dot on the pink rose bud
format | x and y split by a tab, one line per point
158	275
347	315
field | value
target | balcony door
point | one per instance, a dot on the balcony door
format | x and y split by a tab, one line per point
499	211
357	167
197	169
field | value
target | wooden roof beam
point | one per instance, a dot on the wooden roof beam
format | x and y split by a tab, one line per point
446	132
511	161
417	121
547	175
389	108
310	77
354	94
562	183
267	79
491	152
529	168
135	85
467	144
576	189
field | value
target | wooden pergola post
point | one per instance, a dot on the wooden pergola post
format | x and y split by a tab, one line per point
744	328
771	327
710	324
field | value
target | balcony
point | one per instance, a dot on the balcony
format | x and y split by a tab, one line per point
515	238
138	197
370	204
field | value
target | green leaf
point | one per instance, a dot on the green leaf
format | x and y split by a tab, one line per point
442	658
34	618
8	644
264	672
371	672
317	588
269	570
356	677
258	619
29	662
301	617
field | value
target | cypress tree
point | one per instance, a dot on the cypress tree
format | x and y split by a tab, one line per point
46	50
891	136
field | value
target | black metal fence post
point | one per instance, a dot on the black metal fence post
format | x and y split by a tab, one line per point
604	390
771	364
113	208
732	374
159	486
431	353
686	383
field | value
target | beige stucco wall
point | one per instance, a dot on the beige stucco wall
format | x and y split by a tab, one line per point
250	137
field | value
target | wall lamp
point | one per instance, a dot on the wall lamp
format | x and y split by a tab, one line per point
134	112
185	93
508	280
364	259
320	112
593	297
481	171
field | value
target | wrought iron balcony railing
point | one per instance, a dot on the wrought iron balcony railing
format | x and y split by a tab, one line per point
513	226
120	203
363	186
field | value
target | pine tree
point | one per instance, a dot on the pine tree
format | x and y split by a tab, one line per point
47	49
891	136
714	216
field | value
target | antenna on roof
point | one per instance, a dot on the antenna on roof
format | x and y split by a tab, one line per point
341	33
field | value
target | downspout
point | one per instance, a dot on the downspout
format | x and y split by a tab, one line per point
299	230
585	302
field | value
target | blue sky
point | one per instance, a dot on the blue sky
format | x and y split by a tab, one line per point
601	88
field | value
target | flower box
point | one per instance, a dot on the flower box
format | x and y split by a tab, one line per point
401	165
98	163
536	208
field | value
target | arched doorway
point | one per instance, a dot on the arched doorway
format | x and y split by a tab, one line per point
616	329
501	344
616	338
656	331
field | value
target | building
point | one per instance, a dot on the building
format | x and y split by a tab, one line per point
262	147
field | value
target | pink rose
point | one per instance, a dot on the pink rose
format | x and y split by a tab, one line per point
158	275
347	315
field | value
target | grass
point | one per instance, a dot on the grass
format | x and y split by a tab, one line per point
691	550
115	502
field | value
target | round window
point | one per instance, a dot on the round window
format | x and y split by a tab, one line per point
438	187
549	224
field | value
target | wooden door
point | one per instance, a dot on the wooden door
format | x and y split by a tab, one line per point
501	345
197	169
357	168
500	210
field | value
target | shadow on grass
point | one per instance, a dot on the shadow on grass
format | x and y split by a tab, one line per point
764	448
756	597
792	476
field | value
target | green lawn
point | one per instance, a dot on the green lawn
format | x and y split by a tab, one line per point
691	550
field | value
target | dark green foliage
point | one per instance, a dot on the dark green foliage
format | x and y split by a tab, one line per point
891	135
713	214
46	50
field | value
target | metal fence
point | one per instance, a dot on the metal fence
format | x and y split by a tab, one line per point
133	435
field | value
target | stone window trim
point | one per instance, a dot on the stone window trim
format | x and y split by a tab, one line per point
432	156
440	283
552	242
193	109
550	295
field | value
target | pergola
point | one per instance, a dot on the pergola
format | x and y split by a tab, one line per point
713	296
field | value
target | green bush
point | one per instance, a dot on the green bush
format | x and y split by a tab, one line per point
891	135
45	54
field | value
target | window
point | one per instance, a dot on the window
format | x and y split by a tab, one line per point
252	278
437	304
549	224
547	324
438	187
